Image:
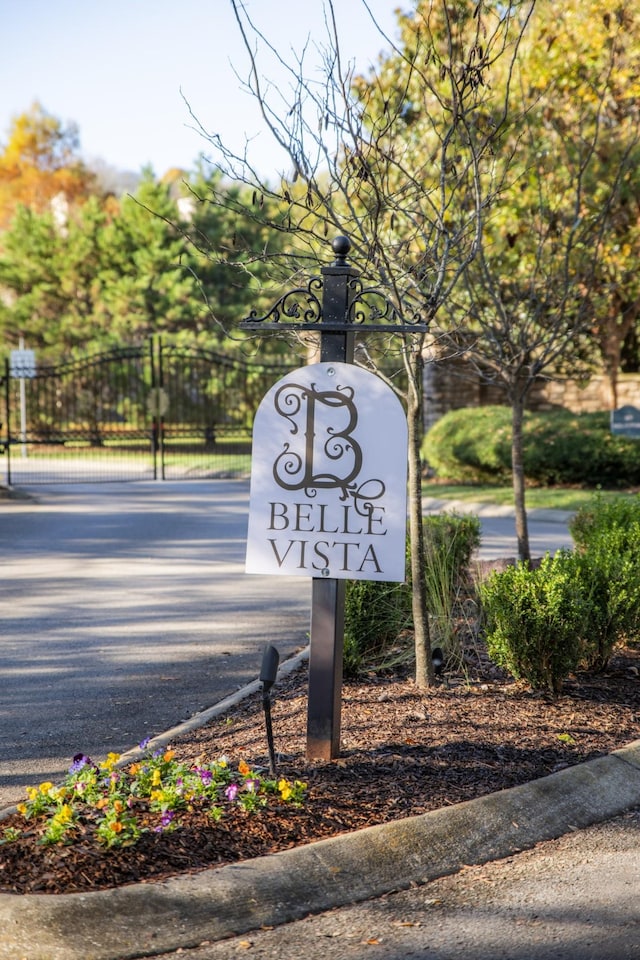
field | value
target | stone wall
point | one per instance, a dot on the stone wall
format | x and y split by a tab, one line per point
450	385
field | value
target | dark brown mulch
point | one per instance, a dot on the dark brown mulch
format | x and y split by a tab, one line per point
404	752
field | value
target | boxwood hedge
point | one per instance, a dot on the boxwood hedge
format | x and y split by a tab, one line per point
473	445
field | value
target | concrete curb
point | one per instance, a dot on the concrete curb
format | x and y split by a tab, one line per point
144	919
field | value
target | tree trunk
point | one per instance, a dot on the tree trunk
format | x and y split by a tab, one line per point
611	358
517	468
619	322
424	666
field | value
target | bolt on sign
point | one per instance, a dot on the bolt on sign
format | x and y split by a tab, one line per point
329	477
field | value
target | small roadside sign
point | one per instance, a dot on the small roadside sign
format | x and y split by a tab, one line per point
157	402
329	477
626	421
22	363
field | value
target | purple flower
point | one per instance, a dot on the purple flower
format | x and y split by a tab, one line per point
144	743
252	785
165	821
231	792
206	776
79	761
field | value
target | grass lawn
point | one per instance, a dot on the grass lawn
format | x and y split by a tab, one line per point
548	498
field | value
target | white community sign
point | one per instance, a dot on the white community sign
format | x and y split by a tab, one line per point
329	477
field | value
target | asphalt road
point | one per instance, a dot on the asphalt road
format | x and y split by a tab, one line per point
499	539
125	610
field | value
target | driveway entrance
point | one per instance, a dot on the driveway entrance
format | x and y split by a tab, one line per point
124	610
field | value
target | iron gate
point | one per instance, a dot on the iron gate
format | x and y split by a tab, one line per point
158	411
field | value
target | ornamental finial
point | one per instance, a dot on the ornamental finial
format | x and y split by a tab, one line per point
341	247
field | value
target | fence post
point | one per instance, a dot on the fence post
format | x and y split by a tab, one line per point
7	408
160	414
154	411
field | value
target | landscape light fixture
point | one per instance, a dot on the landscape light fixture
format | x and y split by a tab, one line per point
268	674
437	659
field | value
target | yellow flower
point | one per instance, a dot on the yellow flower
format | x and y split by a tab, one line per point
45	787
32	792
22	809
285	789
110	762
64	814
156	779
156	796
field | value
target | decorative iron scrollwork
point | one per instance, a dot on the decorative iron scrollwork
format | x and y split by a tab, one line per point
371	309
366	309
301	306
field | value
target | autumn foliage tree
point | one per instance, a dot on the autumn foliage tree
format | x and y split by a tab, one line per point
581	65
554	279
40	162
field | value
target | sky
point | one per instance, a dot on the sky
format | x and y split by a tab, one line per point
128	72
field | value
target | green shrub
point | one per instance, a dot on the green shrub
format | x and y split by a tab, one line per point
473	445
598	516
611	582
535	620
607	537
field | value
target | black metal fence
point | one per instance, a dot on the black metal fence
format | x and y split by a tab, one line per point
158	411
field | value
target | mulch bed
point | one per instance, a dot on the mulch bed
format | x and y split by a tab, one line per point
404	752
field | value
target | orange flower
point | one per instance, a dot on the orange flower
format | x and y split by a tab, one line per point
244	768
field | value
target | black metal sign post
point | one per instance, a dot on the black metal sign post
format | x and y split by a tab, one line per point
327	598
346	305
